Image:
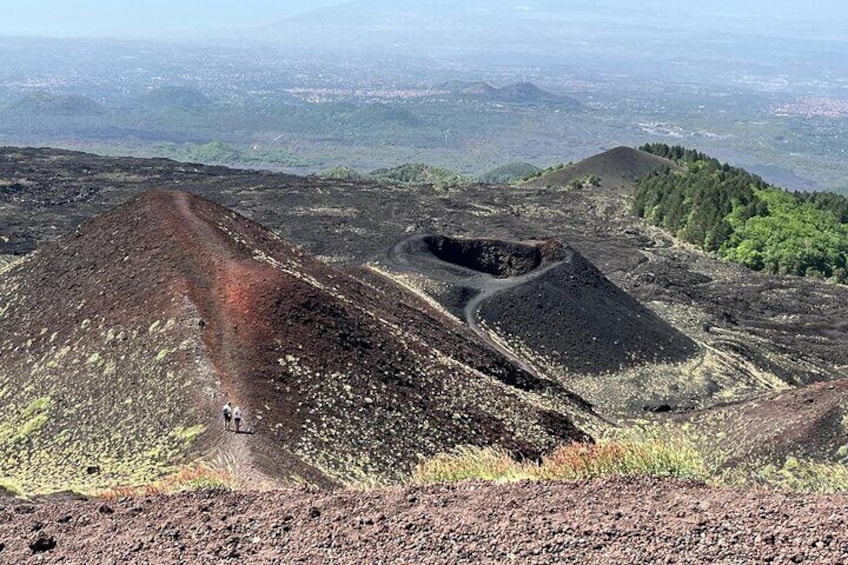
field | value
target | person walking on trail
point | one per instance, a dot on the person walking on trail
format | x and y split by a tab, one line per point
228	415
237	418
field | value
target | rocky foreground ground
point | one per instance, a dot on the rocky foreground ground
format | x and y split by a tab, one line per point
603	521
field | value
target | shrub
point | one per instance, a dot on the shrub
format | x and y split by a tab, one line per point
468	463
650	458
568	462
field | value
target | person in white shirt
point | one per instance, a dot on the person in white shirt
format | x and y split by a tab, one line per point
237	418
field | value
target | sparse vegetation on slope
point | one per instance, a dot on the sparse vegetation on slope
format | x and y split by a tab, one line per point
775	444
736	214
116	413
792	474
587	181
344	381
758	334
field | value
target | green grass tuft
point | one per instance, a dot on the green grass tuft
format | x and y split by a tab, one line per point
11	487
467	462
796	475
30	420
36	407
568	462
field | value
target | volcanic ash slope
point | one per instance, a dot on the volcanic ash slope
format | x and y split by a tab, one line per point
544	305
120	342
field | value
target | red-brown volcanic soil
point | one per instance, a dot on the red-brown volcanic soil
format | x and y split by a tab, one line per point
606	521
341	380
791	331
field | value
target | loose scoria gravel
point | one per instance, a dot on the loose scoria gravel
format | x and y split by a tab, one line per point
604	521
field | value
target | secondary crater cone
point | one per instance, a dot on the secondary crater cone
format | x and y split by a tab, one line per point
542	300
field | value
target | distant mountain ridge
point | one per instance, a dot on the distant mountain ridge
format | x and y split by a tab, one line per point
524	93
51	104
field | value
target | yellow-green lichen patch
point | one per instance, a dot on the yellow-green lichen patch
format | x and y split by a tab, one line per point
27	422
99	410
188	434
11	486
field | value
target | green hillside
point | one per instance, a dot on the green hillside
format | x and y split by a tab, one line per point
742	218
511	172
420	173
406	174
50	104
342	172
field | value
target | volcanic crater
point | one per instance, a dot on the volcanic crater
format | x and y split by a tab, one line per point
501	259
120	339
538	299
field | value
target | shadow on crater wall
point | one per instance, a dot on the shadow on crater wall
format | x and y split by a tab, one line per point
501	259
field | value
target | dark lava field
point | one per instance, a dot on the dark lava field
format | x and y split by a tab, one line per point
364	327
791	329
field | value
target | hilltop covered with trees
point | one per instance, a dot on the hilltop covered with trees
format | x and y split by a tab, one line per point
739	216
406	174
511	172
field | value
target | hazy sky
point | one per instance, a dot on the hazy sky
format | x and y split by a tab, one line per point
169	18
121	18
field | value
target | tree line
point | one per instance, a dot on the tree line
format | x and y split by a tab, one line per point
742	218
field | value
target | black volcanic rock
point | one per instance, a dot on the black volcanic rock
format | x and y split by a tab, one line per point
756	333
576	316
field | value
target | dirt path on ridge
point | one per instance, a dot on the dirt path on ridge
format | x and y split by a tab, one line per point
216	256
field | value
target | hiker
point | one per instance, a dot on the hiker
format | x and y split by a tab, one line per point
237	418
228	415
